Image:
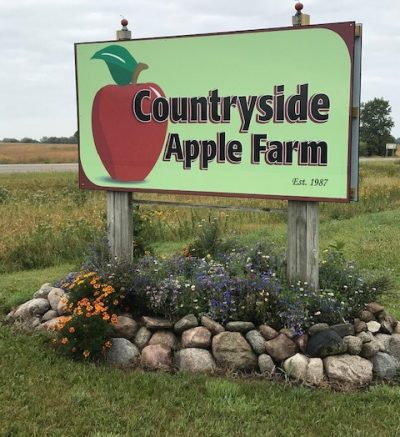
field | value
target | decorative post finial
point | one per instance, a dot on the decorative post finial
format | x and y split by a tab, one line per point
124	33
300	19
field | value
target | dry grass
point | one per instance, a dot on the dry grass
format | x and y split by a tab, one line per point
27	153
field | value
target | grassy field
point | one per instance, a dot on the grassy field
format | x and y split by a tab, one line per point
47	224
29	153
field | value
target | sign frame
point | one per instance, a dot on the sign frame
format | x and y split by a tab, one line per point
354	45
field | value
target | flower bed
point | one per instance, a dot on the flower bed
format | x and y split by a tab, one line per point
231	311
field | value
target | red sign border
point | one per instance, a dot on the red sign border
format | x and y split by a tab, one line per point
346	30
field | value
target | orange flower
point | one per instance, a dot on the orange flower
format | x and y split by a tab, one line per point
96	285
114	319
71	329
106	316
85	354
108	344
64	340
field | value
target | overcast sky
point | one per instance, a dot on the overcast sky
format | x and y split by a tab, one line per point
37	82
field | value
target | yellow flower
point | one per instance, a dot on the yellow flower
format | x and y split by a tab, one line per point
85	354
64	340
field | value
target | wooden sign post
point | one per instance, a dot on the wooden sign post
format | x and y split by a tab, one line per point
303	222
119	203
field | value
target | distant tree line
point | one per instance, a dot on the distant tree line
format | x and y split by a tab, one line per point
45	140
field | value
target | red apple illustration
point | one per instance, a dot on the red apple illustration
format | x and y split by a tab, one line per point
128	148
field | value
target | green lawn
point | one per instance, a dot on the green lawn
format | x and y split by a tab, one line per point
43	394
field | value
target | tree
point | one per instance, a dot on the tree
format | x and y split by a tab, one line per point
376	125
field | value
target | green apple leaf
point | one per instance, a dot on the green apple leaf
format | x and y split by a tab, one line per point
119	61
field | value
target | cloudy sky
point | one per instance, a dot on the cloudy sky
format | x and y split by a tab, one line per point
37	82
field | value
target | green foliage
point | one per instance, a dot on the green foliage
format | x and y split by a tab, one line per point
87	332
376	125
209	238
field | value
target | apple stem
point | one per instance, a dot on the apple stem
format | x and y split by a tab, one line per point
139	68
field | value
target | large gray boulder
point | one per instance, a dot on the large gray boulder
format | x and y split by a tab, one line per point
212	325
348	369
54	297
187	322
142	337
32	308
195	360
385	366
122	352
43	291
256	341
232	351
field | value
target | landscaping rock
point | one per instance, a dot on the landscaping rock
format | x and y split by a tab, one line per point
48	315
388	324
267	332
384	340
365	336
385	366
266	364
232	351
10	317
280	348
256	341
325	343
187	322
166	338
318	327
296	367
359	326
302	342
54	297
122	352
211	325
373	326
348	369
353	344
240	326
370	349
43	291
315	371
396	329
62	307
394	346
157	356
153	323
28	325
196	337
142	337
126	327
32	308
195	360
343	329
51	325
288	332
366	316
374	307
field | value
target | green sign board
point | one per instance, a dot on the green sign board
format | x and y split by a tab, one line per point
263	113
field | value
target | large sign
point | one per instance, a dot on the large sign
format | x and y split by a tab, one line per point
263	113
